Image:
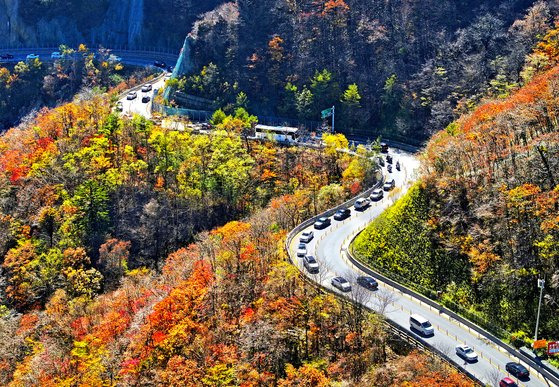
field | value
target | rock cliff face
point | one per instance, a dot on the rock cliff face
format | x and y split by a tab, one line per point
131	23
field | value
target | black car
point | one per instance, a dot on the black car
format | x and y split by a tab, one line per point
383	147
159	64
6	56
145	99
517	370
342	214
367	282
397	165
389	159
389	168
322	223
381	161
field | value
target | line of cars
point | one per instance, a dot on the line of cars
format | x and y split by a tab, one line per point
145	97
362	204
311	264
418	324
421	325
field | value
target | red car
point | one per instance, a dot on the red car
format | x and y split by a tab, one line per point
507	382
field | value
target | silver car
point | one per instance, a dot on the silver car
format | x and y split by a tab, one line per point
466	353
377	194
306	236
341	284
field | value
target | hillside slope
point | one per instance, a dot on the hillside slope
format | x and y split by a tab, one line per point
415	66
486	212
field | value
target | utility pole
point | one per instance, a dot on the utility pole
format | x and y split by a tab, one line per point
541	284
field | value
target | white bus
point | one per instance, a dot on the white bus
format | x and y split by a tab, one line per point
276	133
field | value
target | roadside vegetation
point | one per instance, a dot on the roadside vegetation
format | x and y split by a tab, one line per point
482	226
132	254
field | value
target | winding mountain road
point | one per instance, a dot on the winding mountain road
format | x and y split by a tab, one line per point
330	245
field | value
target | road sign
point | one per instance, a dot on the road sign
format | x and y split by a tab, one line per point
327	112
553	348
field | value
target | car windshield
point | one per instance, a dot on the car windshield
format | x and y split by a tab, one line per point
306	233
426	324
468	350
311	259
322	219
302	246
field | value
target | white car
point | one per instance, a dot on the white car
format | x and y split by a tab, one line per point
466	353
341	284
421	325
147	87
114	58
32	57
301	250
56	55
131	95
306	237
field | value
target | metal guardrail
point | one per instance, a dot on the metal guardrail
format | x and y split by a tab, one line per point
394	328
540	368
138	49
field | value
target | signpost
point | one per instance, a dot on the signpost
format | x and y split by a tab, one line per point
330	112
541	284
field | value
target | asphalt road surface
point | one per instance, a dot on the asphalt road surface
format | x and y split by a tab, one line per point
136	106
329	246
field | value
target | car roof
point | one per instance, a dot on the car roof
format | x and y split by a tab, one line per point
419	318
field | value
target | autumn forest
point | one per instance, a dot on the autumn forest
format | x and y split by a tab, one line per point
133	253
